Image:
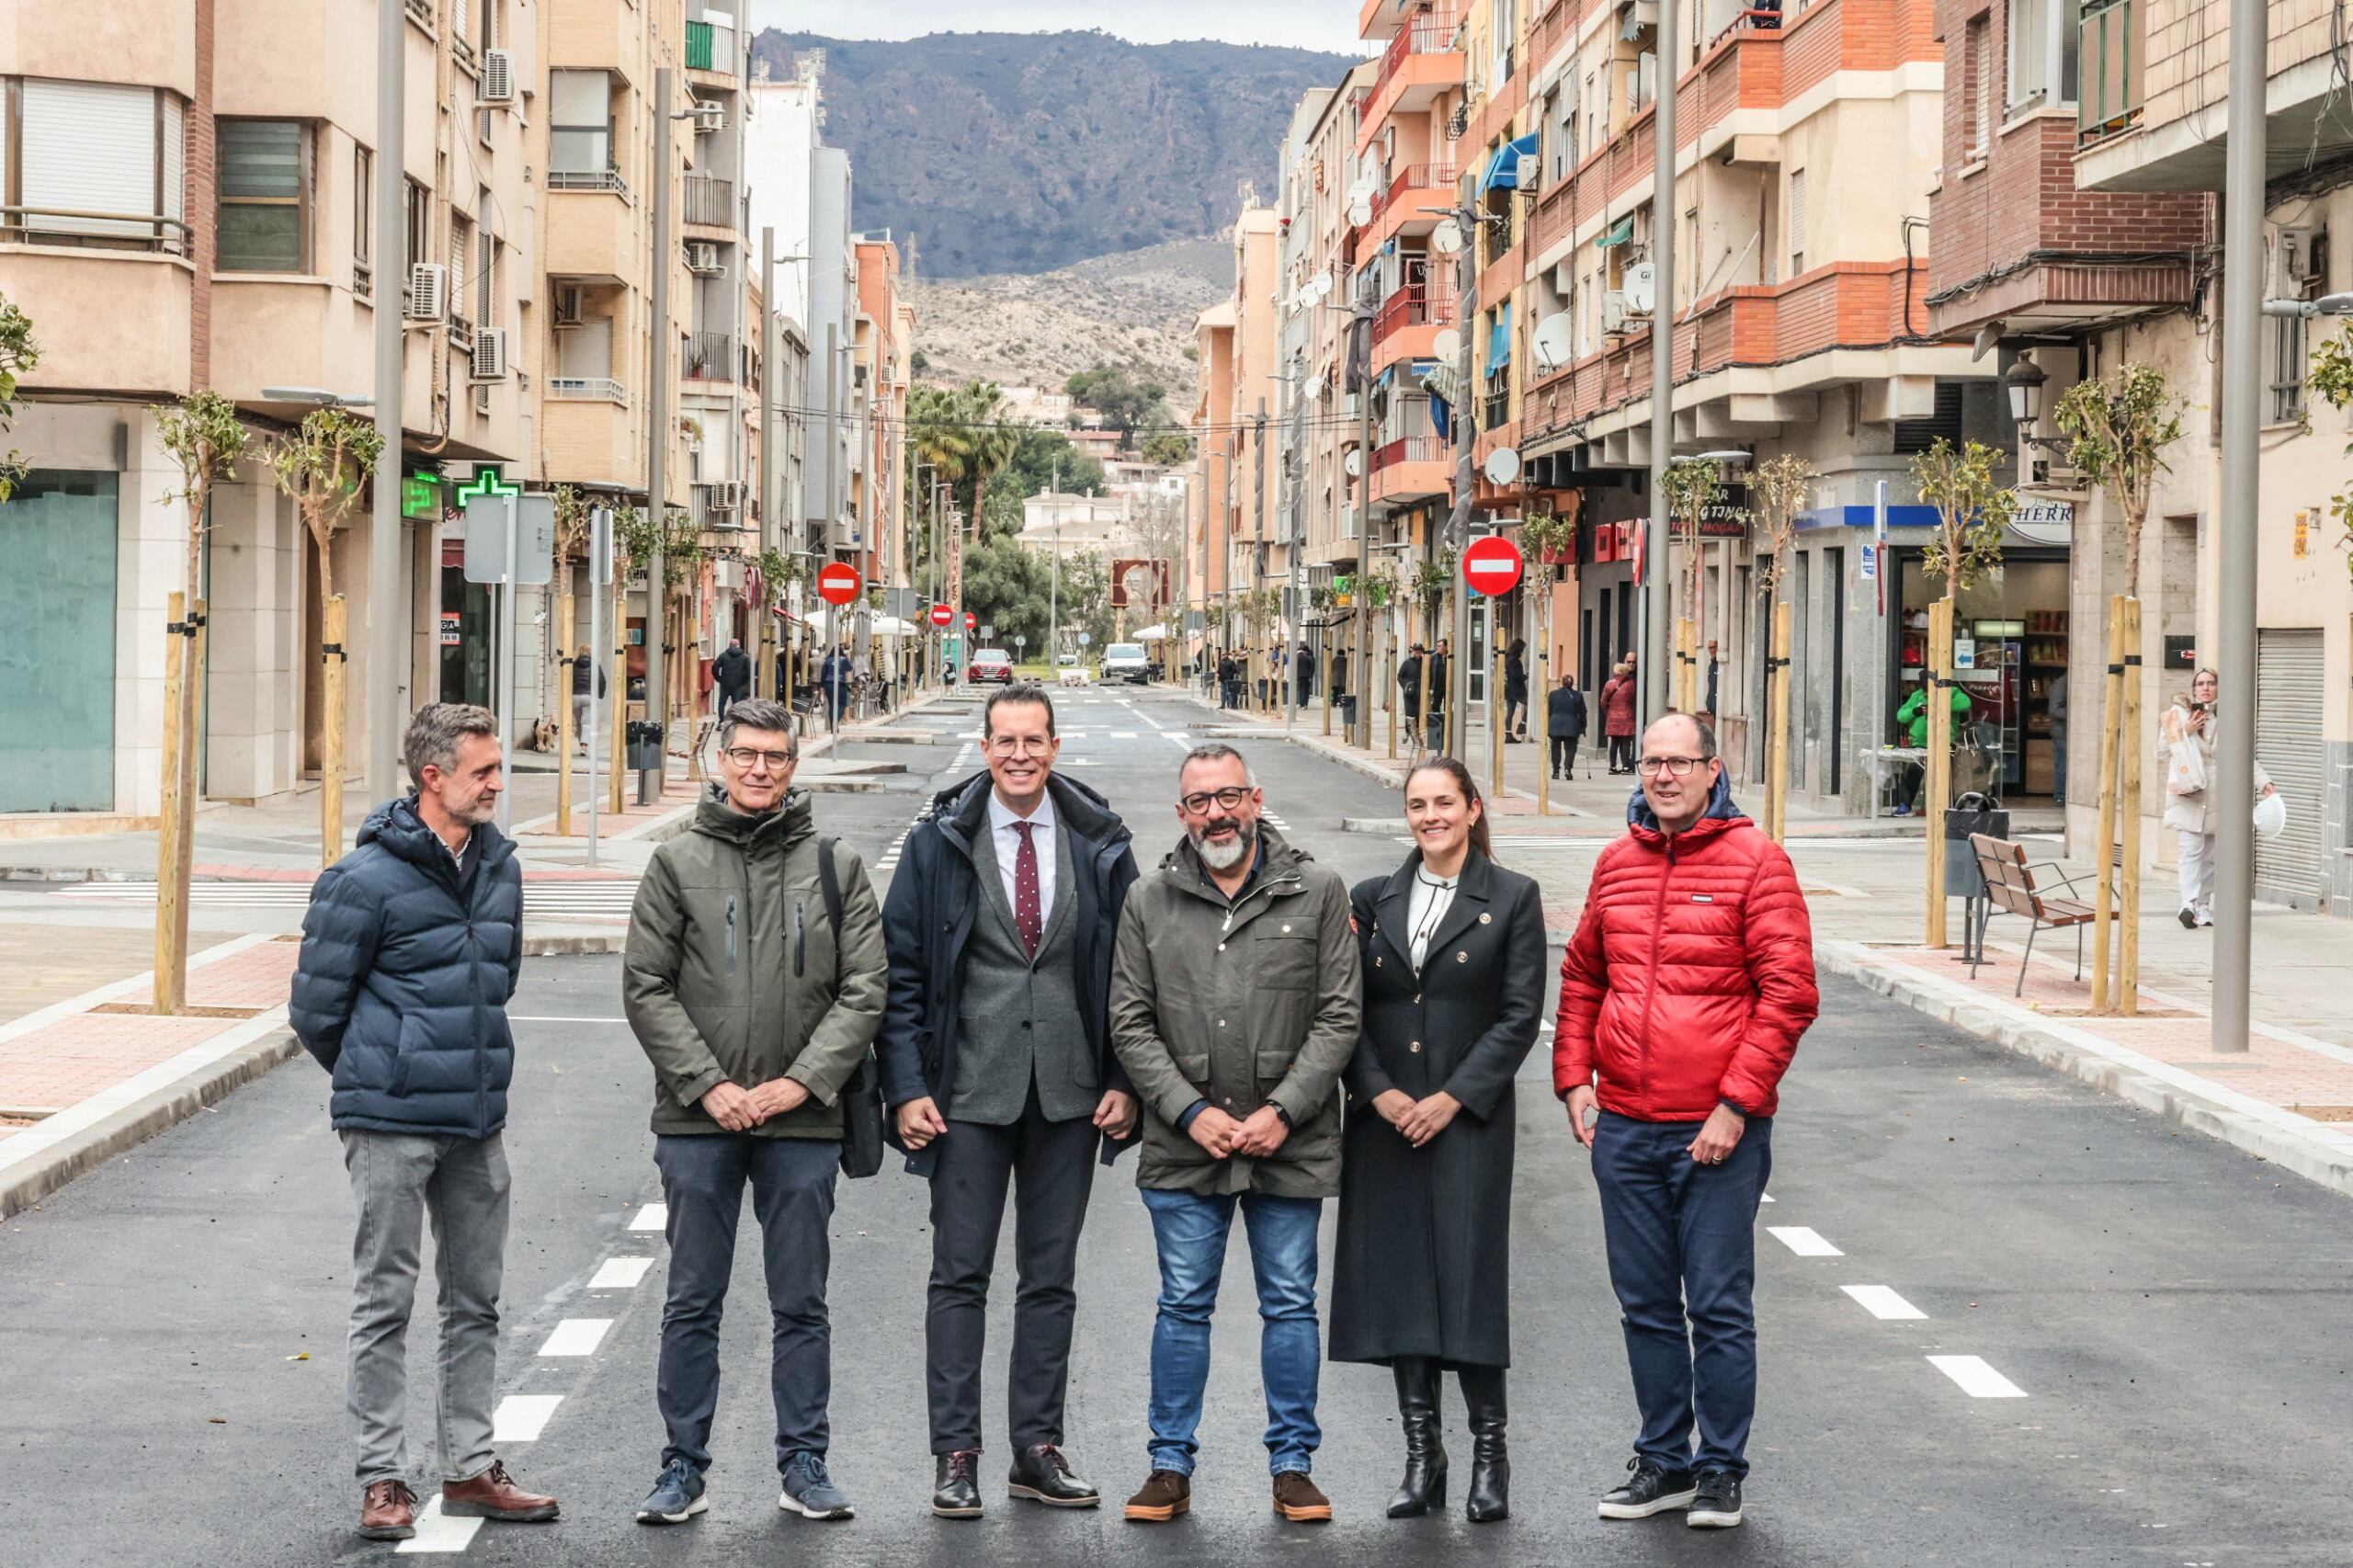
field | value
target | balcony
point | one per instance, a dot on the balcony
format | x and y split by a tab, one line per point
588	432
1407	325
709	357
698	49
710	201
2109	92
591	231
1420	63
1410	467
130	315
587	388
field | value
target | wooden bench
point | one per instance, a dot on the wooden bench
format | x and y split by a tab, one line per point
2010	887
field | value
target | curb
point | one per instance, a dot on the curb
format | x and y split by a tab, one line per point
141	1120
2320	1157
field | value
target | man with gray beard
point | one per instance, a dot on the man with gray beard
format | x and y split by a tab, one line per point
1235	999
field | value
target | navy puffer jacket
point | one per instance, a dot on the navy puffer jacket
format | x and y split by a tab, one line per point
403	984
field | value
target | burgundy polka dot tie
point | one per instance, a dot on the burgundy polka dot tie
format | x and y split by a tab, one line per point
1026	918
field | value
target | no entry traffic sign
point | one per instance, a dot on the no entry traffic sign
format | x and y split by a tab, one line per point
971	620
837	584
1492	566
941	614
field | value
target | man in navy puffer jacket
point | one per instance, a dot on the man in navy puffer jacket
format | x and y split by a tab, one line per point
411	949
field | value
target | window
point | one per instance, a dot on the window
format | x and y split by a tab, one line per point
1981	88
265	195
420	224
2283	369
2041	33
93	147
1797	222
461	240
580	123
363	220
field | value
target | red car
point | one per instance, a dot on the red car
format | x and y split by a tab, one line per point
990	663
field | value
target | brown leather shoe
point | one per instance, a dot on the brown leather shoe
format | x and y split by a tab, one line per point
1299	1499
1165	1495
387	1511
492	1495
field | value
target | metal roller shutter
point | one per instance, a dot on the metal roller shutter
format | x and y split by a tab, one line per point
2287	744
89	147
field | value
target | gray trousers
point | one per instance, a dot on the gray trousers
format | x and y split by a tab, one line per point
397	1181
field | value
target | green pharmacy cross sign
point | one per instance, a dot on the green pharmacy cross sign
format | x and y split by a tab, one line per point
485	481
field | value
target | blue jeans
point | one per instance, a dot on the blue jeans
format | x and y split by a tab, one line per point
703	1176
1190	1232
1682	1244
2059	765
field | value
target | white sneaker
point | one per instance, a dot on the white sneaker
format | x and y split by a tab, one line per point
2205	917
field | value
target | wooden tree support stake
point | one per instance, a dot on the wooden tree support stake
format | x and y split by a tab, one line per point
171	953
2128	807
332	645
2111	722
564	712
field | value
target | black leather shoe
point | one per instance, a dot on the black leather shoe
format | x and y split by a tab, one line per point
1041	1473
1490	1493
1648	1490
1424	1487
955	1494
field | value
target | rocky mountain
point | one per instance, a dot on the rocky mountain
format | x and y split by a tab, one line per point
994	153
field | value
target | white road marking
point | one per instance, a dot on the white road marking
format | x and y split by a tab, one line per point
1766	1198
1122	734
1977	1379
576	1336
653	1216
620	1274
557	1018
438	1532
1180	740
1803	1240
521	1417
1883	1303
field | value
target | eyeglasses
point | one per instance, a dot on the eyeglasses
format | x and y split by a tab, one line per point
747	758
1200	801
1681	767
1021	745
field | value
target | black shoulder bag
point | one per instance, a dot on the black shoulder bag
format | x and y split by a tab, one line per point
861	1097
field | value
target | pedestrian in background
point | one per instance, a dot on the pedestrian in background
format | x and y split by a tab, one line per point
2056	705
1303	676
835	675
1515	690
1441	668
1234	1007
1339	675
1227	684
584	670
732	673
412	946
1913	717
1566	716
1409	691
2185	750
1683	995
1451	950
754	981
1617	716
997	1062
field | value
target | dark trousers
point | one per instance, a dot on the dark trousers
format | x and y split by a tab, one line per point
1622	754
792	1196
1050	1168
1682	1244
726	699
1564	754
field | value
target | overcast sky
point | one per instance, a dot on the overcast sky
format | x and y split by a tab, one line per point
1303	24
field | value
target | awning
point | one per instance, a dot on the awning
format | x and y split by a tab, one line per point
1503	169
1152	634
1499	341
1619	234
892	626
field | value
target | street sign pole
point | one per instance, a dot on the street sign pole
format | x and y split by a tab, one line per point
507	657
600	576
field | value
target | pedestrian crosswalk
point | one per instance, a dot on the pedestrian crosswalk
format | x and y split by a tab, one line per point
601	898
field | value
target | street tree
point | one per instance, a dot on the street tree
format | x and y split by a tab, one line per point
205	437
18	353
991	440
321	465
2330	379
2118	429
1692	489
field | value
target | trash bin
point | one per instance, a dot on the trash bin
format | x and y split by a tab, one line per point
644	745
1972	813
1349	711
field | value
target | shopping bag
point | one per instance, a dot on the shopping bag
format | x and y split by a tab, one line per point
2271	815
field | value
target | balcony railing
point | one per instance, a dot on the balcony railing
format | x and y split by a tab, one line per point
1412	176
109	231
2109	52
710	200
1496	412
709	357
587	388
1499	232
1415	306
699	53
1409	449
587	179
1432	32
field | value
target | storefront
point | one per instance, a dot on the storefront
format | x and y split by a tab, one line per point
2011	647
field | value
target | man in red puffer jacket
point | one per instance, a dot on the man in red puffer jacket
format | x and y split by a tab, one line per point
1682	997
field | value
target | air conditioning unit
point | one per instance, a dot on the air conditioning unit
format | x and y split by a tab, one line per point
490	354
710	118
1613	309
2298	256
496	84
727	496
428	292
567	306
702	258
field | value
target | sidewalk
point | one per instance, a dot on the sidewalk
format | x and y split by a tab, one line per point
2287	1099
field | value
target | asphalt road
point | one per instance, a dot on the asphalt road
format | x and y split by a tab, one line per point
2169	1312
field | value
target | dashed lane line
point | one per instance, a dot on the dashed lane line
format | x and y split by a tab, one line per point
521	1417
621	1274
653	1216
1977	1379
1883	1303
575	1337
436	1533
1803	1240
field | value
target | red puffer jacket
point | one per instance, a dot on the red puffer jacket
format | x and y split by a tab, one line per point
1618	705
1691	974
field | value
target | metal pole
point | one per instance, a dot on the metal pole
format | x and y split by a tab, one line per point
1466	484
1055	581
1658	601
1258	524
1361	731
601	547
381	703
506	653
2234	652
657	403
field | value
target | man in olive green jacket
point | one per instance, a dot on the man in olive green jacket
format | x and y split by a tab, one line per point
1235	1000
755	1012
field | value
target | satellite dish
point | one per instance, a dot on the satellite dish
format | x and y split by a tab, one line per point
1321	283
1447	238
1551	341
1503	466
1362	190
1315	389
1447	344
1361	212
1641	287
1355	463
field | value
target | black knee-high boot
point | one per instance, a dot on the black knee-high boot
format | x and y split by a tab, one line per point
1490	1493
1424	1487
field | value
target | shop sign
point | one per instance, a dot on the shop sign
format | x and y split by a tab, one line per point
452	628
2043	519
1727	515
1964	653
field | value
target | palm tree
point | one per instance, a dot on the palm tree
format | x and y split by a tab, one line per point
991	441
938	435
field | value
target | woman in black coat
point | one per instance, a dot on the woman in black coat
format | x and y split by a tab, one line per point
1422	1280
1515	691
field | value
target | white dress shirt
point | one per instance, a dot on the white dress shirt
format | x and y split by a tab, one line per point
1432	896
1008	844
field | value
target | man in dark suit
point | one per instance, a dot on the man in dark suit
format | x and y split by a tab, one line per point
997	1058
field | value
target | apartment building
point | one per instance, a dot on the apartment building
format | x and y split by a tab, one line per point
1236	428
880	379
191	206
2148	129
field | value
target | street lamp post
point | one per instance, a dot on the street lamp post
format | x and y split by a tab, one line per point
385	538
1658	604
